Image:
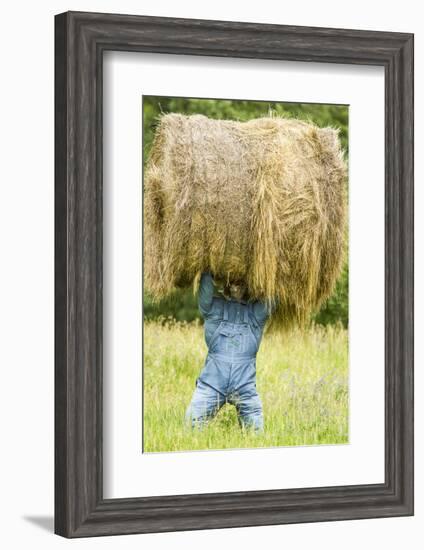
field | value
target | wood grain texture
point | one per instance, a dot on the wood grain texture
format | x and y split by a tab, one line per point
80	40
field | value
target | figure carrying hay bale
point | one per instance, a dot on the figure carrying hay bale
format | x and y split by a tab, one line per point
262	202
233	332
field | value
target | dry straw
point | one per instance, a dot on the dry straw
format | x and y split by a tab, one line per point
262	201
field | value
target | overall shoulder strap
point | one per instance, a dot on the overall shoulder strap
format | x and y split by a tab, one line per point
246	313
225	311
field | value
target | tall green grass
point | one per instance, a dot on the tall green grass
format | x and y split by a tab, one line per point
302	379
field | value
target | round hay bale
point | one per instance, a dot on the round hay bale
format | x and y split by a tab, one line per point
262	201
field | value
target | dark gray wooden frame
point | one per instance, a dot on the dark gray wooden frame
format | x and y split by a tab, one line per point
80	40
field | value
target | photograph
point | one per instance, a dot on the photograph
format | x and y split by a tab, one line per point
245	274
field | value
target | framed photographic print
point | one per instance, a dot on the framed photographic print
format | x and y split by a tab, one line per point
233	274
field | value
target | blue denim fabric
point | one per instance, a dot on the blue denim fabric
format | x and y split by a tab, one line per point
233	332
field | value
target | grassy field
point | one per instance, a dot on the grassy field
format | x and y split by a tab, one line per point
302	379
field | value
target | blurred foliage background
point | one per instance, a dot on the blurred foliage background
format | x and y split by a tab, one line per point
182	305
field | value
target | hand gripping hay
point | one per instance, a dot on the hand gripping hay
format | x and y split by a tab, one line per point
262	201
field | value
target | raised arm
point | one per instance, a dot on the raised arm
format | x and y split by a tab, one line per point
262	311
206	290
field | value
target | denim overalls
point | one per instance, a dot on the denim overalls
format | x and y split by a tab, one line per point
233	331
